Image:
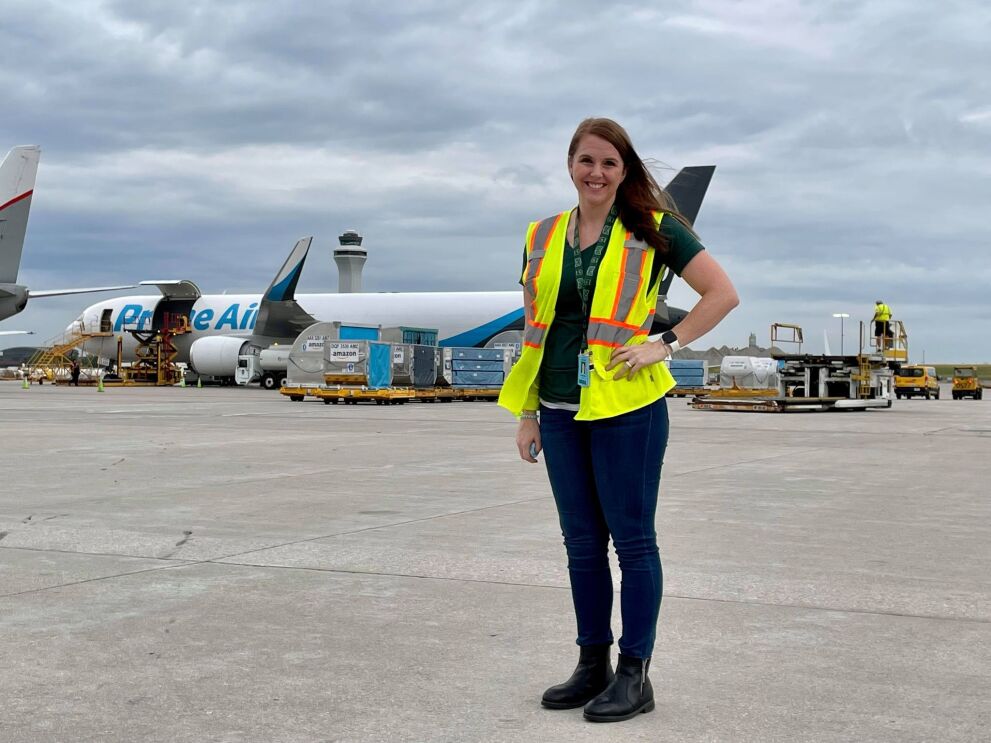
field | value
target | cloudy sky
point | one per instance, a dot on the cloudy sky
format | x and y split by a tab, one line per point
199	140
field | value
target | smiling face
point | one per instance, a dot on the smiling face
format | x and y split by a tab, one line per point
596	170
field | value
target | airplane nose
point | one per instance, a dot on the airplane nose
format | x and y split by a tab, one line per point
75	326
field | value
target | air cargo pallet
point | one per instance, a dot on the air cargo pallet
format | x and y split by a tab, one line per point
354	395
297	394
477	393
332	395
689	392
785	404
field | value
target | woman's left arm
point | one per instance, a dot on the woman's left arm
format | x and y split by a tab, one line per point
716	298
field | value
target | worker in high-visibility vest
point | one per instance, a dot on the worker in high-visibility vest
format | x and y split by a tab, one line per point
589	391
882	328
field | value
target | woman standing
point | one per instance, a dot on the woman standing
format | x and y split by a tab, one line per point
590	287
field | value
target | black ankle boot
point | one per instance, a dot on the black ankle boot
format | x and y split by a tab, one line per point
628	695
593	674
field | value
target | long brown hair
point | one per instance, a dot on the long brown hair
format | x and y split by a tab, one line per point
639	195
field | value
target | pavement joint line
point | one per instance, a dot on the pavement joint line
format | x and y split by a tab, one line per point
97	578
668	596
381	526
181	561
738	602
741	602
746	461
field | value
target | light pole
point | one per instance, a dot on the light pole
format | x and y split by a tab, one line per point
841	315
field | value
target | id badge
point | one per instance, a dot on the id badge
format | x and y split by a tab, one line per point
584	366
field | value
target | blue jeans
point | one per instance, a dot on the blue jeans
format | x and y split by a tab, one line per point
605	475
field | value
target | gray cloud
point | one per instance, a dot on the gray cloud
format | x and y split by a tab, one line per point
201	139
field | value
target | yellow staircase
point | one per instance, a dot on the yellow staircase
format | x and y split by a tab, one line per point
52	361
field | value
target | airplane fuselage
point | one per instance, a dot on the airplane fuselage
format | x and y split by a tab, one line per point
461	318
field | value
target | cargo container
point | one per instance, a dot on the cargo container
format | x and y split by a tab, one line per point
304	366
748	373
451	360
413	365
365	363
477	378
511	339
688	372
414	336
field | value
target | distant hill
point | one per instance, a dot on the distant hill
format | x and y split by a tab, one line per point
714	356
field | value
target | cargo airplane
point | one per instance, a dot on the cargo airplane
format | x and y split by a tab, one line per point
17	177
225	326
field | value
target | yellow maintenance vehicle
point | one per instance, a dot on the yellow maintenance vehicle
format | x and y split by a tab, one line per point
916	380
966	383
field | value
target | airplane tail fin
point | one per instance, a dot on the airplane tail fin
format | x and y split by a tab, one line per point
17	176
279	316
283	286
688	189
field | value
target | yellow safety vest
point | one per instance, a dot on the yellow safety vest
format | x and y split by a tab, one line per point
882	313
621	315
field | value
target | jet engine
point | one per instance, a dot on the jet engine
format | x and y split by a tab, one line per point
216	355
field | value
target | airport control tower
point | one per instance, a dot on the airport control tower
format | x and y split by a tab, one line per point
350	257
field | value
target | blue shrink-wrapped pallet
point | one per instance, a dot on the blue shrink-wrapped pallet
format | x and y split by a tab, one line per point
687	364
367	363
466	365
477	378
379	365
477	354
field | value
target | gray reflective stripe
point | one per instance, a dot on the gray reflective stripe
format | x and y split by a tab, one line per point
634	251
534	336
604	333
537	250
540	236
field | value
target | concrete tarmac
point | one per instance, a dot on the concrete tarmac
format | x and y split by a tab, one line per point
226	565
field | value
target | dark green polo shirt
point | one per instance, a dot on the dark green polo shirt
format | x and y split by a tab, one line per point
558	381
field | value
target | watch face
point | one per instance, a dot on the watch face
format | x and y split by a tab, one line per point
668	336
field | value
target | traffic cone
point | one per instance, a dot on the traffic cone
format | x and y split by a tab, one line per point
182	380
26	384
199	383
99	384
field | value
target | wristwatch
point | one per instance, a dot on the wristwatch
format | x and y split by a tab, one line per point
669	339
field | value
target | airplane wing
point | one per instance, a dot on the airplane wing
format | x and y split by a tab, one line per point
279	316
61	292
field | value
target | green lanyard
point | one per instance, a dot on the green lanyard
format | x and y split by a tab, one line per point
583	276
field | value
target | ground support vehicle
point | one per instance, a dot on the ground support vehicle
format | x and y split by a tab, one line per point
807	382
915	380
966	383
